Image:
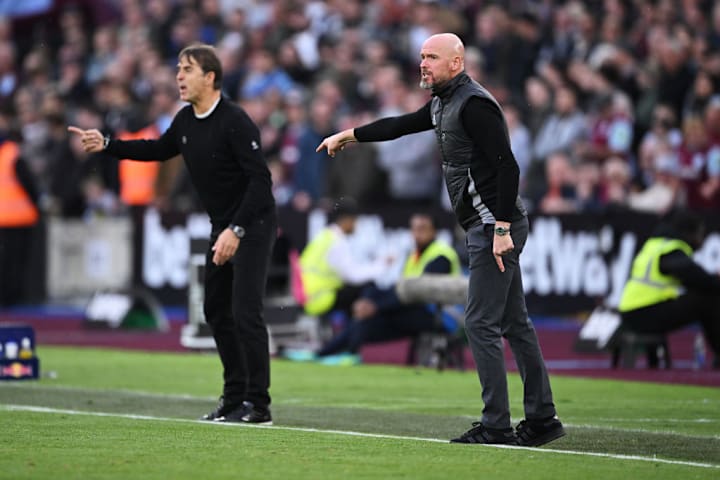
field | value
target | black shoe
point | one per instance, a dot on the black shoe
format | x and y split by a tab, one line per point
248	413
533	433
221	410
479	433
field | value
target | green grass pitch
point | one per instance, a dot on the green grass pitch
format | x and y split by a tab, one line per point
111	414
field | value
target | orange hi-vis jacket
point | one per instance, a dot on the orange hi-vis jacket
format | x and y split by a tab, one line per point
137	179
16	207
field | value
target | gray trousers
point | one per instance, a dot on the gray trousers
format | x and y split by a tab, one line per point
496	309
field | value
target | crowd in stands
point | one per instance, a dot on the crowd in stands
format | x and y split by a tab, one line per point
611	104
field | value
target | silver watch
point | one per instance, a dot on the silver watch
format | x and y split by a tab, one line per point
237	230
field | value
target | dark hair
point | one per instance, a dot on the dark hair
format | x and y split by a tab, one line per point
343	207
681	223
430	216
206	58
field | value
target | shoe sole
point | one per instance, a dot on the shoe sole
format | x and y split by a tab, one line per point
512	443
544	439
224	420
267	424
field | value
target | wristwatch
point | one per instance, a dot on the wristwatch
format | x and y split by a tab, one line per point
237	230
106	141
501	231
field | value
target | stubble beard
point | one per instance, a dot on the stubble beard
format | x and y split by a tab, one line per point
424	82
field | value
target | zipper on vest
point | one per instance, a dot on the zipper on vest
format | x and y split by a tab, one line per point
441	134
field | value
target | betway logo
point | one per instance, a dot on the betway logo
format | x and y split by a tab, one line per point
166	251
594	263
576	263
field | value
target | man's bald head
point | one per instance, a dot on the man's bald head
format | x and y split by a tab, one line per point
449	43
442	58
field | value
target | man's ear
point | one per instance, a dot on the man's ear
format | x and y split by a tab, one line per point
457	63
211	77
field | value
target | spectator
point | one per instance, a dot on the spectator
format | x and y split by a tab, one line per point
701	94
8	75
587	187
611	131
264	75
693	161
539	104
664	192
491	26
560	195
520	140
564	128
676	75
710	188
523	46
358	173
411	163
103	53
615	183
663	138
310	171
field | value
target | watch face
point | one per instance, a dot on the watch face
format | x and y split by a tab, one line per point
238	231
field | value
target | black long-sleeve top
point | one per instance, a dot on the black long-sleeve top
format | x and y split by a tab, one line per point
224	157
494	170
692	276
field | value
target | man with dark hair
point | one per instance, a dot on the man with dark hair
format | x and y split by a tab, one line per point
667	290
222	151
482	179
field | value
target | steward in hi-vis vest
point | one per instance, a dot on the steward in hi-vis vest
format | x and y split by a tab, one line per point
331	277
667	290
18	215
137	179
647	284
16	206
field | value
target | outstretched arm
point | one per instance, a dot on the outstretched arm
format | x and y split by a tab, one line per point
380	130
336	142
159	149
92	140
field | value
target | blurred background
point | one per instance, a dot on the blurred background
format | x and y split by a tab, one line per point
613	108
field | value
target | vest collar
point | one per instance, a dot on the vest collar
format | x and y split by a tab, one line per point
445	90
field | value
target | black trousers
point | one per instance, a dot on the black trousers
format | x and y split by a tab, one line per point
675	314
234	310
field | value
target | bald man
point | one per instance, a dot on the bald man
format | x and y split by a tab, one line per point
482	180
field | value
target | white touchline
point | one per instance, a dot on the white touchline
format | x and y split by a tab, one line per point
30	408
375	406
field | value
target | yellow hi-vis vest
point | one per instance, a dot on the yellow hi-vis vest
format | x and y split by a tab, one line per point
415	264
320	281
647	285
16	207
